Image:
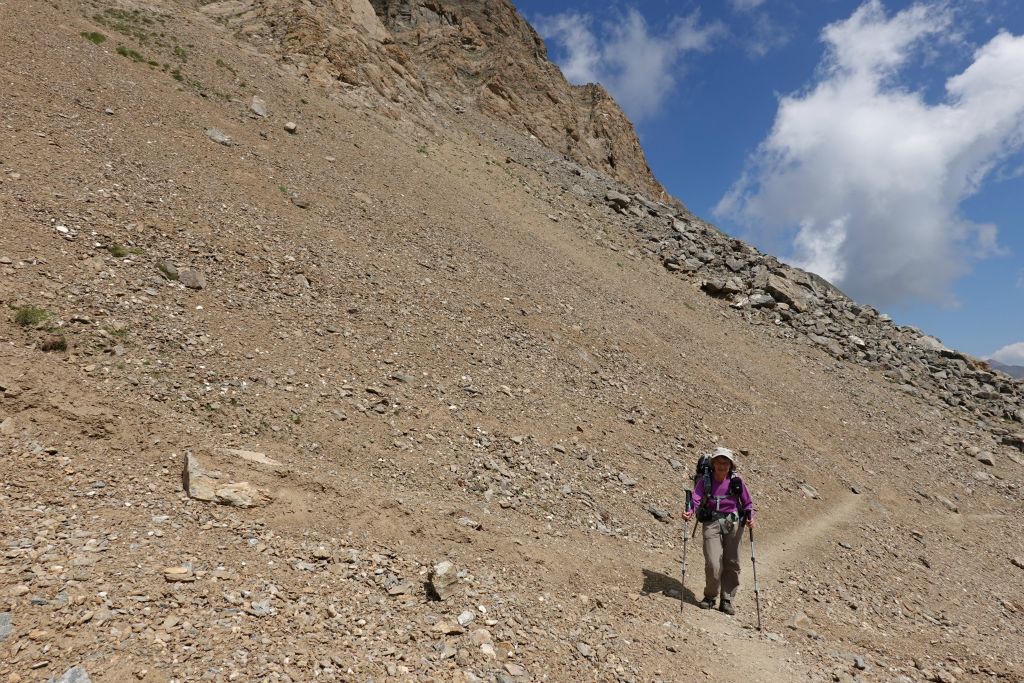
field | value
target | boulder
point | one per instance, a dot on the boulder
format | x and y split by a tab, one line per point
192	279
202	484
219	136
258	106
617	199
789	292
930	344
444	580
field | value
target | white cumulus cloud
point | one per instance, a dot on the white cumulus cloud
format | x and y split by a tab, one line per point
1012	354
867	177
745	5
640	67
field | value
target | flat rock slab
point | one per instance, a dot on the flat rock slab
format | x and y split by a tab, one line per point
251	456
213	486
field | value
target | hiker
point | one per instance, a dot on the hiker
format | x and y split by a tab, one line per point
723	505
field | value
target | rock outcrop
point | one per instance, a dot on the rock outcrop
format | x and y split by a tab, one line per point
426	60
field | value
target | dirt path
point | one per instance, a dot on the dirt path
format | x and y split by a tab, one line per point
776	551
733	645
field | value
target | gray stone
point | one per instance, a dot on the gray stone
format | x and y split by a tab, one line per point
261	608
809	490
732	286
6	628
219	136
291	127
444	580
734	264
258	106
471	523
788	292
761	301
516	670
930	344
659	514
192	279
986	458
617	199
75	674
712	286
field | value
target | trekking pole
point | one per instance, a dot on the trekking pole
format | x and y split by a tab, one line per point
686	540
757	589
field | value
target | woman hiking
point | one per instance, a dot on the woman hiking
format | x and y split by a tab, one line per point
723	505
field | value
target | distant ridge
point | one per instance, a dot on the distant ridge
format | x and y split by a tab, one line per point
1011	370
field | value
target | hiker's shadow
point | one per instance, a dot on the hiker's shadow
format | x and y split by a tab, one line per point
656	582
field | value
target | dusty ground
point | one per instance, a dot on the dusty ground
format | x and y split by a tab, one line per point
440	371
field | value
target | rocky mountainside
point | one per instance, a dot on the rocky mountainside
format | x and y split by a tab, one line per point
314	369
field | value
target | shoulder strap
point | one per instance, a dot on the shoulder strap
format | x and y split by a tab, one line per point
707	489
736	490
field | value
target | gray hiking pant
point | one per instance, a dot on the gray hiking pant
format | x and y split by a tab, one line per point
722	540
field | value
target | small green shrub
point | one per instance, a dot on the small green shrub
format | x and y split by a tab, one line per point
30	316
55	343
94	37
167	271
118	251
130	54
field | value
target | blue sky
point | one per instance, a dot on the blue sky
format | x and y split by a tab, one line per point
876	143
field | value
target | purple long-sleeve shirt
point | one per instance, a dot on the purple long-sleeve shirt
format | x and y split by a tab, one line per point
721	501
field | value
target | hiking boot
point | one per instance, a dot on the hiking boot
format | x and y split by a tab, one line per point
706	603
727	608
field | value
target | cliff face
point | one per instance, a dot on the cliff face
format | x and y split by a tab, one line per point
430	59
488	54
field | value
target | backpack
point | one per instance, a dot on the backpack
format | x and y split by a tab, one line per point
703	472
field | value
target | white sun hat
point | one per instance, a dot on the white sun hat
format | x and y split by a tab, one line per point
722	452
